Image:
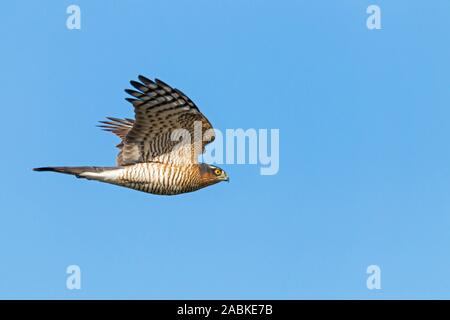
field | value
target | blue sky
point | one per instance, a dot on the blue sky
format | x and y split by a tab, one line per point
364	151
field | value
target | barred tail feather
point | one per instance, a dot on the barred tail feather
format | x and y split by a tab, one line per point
77	171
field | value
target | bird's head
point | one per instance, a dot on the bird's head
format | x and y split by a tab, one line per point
211	174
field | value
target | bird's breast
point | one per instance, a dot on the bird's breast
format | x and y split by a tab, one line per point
160	178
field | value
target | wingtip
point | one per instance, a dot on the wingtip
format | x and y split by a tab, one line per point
138	85
131	100
144	79
161	83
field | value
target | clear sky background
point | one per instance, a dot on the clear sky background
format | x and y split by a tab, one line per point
364	119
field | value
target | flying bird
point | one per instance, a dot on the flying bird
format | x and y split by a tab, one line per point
159	149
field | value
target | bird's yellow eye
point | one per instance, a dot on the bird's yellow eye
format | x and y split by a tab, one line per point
218	172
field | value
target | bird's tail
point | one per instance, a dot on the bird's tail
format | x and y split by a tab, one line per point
79	172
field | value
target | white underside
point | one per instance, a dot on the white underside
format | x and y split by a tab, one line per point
107	176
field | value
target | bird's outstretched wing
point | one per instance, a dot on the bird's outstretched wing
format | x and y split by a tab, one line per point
155	135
